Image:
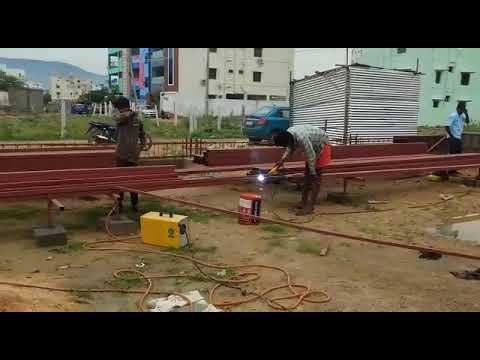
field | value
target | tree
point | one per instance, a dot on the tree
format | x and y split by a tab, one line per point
47	98
8	81
96	96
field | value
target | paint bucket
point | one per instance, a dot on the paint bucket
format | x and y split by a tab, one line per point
249	204
325	156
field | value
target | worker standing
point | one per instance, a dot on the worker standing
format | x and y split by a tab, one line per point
455	124
315	144
129	131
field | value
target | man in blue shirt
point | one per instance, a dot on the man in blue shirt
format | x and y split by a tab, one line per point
455	124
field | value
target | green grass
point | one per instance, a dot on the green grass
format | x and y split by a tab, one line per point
127	281
46	127
70	247
274	229
310	247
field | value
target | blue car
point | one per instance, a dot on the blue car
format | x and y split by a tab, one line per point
266	122
80	109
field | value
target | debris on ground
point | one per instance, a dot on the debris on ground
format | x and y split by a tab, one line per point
467	275
63	267
176	303
430	255
465	216
373	202
222	273
49	258
446	197
323	251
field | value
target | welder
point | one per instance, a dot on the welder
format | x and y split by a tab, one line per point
315	144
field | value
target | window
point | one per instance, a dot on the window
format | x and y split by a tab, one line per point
170	66
58	95
438	76
157	71
136	73
257	52
78	86
230	71
240	72
257	97
401	50
447	98
278	98
450	68
58	86
212	50
465	80
212	96
235	96
257	76
212	74
135	51
436	102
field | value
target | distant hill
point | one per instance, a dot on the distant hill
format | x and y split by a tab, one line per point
40	71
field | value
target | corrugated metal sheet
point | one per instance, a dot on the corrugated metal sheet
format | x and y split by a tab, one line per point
382	103
320	100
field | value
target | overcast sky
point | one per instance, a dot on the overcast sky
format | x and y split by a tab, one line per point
307	60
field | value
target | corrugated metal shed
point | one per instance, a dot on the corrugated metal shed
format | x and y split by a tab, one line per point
358	100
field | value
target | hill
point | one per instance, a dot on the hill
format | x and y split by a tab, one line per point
40	71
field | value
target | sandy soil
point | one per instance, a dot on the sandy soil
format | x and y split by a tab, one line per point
358	276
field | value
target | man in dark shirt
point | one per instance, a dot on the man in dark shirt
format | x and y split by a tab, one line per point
129	131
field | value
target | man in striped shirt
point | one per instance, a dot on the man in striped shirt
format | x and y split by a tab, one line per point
311	140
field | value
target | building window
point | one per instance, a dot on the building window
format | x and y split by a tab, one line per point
465	80
257	52
171	66
212	50
436	102
212	74
447	98
136	73
58	95
401	50
235	96
157	71
212	96
58	86
278	98
438	76
240	72
450	68
257	97
230	71
135	51
257	76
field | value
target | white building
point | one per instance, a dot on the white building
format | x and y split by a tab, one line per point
69	87
226	79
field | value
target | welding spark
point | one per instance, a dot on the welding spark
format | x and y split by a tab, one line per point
261	178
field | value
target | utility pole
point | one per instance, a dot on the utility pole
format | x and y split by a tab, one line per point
207	81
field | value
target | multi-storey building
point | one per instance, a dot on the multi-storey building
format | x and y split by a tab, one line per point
69	87
197	79
450	76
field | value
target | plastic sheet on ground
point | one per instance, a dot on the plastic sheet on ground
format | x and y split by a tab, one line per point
174	303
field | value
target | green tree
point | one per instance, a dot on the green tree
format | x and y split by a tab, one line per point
47	98
8	81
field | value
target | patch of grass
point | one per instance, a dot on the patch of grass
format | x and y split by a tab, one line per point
275	229
209	249
82	297
127	281
373	229
21	212
70	247
309	247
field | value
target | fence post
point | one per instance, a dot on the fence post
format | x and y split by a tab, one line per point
63	119
219	121
191	144
190	123
243	117
156	115
94	108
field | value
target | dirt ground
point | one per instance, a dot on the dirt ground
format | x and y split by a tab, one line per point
358	276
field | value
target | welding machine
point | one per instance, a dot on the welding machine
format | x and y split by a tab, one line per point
167	230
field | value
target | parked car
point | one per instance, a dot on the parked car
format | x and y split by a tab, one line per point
80	109
264	123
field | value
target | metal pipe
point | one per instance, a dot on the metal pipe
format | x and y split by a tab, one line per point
306	228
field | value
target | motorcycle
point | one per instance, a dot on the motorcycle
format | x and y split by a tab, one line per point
102	133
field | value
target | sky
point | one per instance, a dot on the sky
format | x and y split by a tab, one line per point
307	60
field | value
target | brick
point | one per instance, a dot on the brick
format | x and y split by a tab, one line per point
50	236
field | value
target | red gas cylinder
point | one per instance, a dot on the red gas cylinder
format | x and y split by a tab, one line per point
249	205
325	156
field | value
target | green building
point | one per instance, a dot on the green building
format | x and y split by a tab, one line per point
451	75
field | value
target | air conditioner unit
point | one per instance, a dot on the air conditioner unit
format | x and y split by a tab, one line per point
203	82
260	61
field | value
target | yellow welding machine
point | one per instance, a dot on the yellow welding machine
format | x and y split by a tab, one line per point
162	229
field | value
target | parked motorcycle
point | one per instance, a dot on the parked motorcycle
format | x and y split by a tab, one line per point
102	133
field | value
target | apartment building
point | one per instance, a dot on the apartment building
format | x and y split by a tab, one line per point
200	79
450	76
69	87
